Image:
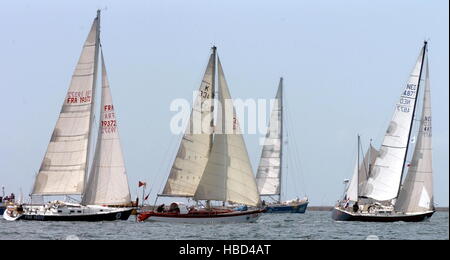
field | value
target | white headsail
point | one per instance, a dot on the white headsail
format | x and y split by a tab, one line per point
228	175
108	183
195	146
384	182
65	164
416	194
360	177
268	176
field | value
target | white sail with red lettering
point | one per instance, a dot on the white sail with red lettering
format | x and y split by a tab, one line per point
65	165
108	183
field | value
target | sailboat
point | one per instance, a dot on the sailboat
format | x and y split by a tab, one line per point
64	170
269	174
376	192
212	163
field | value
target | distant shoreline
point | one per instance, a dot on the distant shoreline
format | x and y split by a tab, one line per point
329	208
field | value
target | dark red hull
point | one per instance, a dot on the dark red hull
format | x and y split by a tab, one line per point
203	214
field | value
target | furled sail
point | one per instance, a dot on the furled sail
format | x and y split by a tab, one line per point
64	167
268	176
384	182
416	194
228	175
360	177
108	183
195	146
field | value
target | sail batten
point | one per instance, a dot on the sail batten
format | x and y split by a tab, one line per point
64	167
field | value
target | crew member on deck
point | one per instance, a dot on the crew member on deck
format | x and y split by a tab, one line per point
160	209
355	207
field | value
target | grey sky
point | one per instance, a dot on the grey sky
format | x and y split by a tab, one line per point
344	64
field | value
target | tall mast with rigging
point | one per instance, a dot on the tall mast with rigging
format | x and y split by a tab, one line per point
357	167
281	135
94	86
424	50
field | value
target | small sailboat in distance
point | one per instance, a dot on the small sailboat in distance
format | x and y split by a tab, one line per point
64	170
212	163
270	170
376	192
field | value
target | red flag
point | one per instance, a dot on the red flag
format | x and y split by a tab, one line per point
141	183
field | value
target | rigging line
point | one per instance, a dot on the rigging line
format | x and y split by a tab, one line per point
291	150
288	161
298	158
299	170
296	152
166	161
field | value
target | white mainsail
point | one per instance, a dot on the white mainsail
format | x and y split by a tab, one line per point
416	194
384	182
195	146
360	177
228	175
268	176
65	165
108	183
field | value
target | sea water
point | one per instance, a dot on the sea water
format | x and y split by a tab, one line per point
312	225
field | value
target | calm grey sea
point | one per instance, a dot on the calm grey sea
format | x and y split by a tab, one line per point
312	225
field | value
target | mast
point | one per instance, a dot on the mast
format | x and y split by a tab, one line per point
413	114
94	84
213	79
213	92
369	161
357	165
281	136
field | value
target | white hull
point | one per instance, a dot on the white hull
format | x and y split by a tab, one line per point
11	217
